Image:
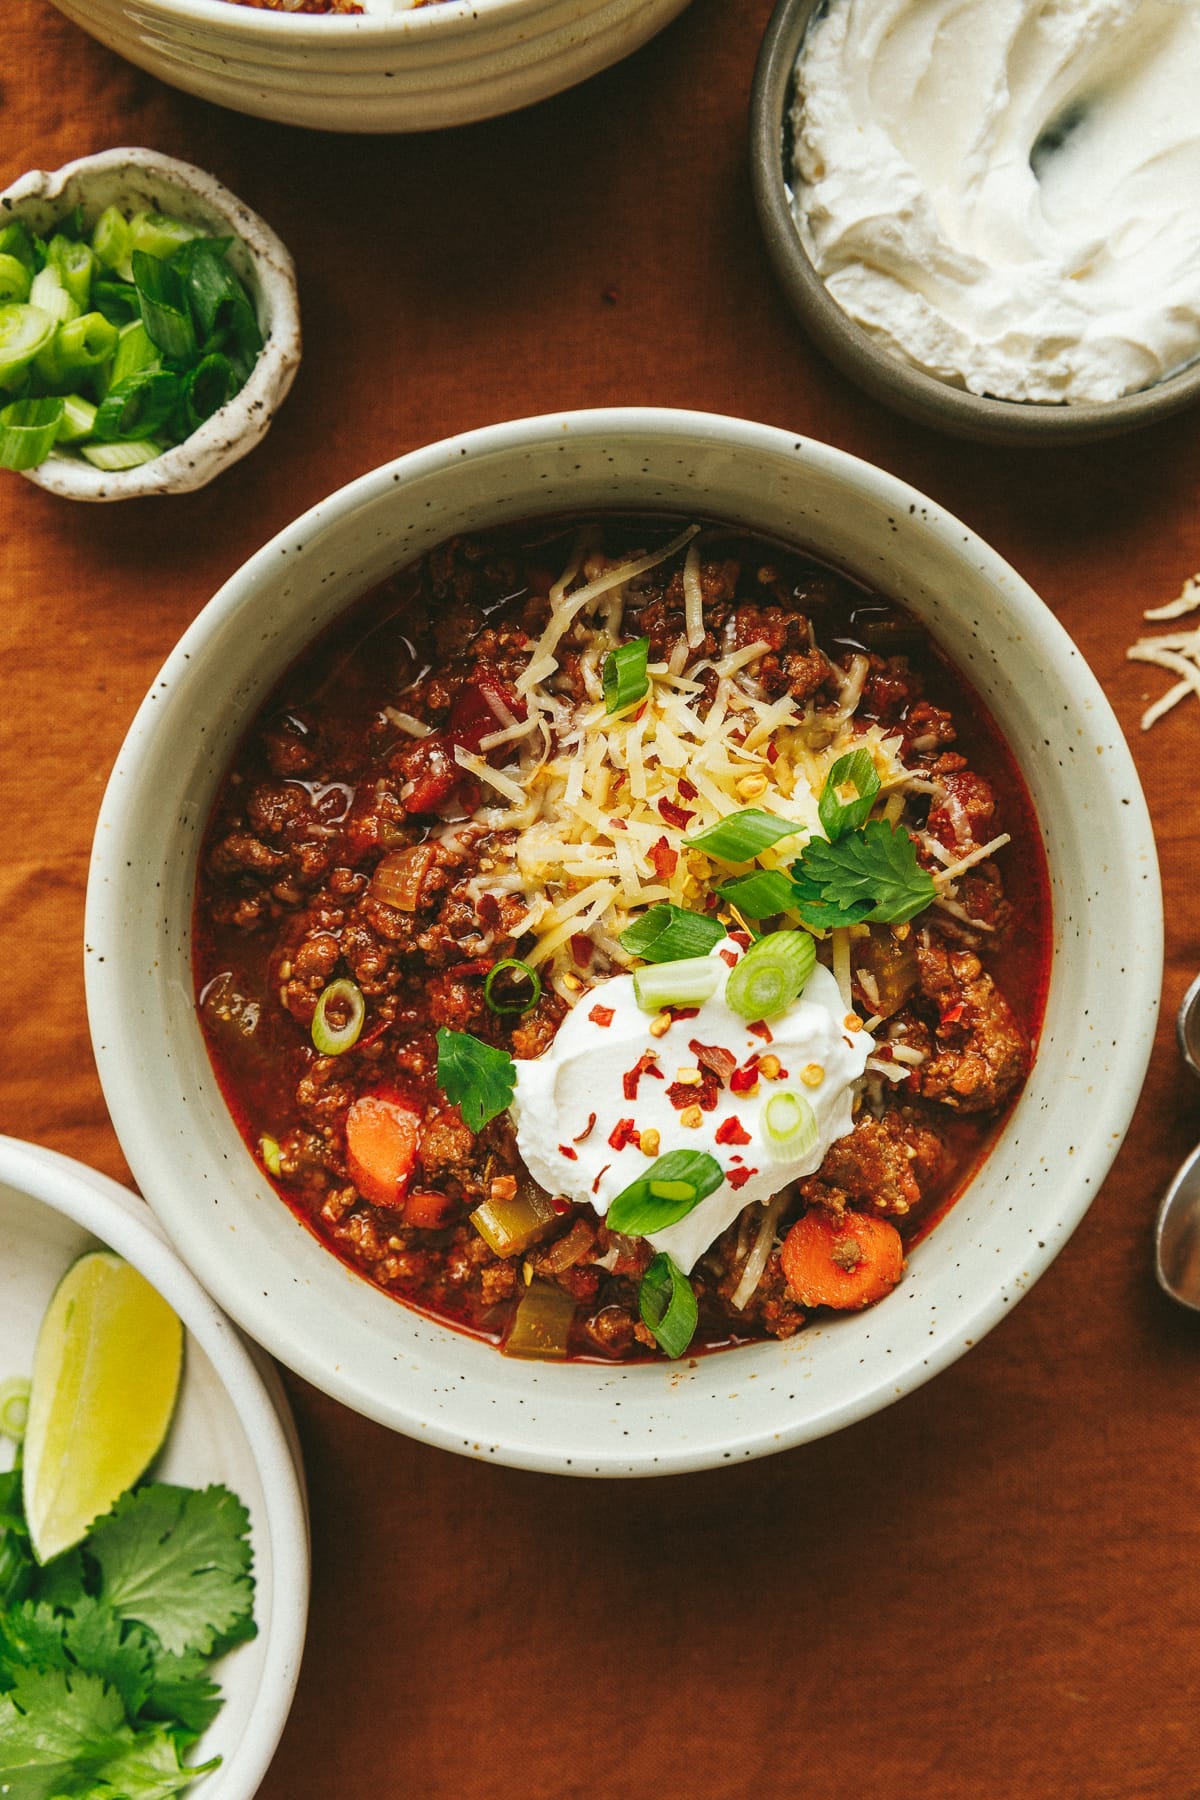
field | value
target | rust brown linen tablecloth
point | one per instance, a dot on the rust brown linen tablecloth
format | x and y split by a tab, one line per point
988	1590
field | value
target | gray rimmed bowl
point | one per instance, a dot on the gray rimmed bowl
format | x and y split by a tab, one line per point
411	1373
852	349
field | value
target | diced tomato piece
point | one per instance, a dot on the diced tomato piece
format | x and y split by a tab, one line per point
731	1131
381	1148
428	1211
472	717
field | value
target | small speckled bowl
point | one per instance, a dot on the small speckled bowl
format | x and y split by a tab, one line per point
853	350
143	180
389	1362
231	1425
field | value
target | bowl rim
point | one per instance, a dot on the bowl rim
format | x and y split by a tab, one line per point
110	964
429	21
243	421
127	1225
852	349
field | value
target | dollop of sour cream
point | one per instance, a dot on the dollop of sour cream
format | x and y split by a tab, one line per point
1006	193
574	1115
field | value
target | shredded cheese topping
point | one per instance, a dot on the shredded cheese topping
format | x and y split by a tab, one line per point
1176	651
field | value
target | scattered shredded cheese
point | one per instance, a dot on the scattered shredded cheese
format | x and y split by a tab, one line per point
1177	652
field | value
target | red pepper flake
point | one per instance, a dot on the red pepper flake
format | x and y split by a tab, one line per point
684	786
600	1178
703	1094
742	938
602	1015
745	1078
373	1033
560	1203
664	859
729	956
772	752
712	1056
581	950
623	1132
587	1130
883	1052
953	1014
739	1177
684	1012
675	815
731	1131
646	1064
760	1029
566	1150
618	825
479	965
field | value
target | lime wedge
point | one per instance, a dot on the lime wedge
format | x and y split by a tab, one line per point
105	1376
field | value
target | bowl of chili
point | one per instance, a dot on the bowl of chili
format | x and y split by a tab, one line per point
172	1011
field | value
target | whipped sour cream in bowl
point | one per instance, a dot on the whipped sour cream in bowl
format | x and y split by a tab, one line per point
989	214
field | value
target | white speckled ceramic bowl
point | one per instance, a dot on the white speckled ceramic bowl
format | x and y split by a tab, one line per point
136	180
397	70
346	1336
231	1425
859	355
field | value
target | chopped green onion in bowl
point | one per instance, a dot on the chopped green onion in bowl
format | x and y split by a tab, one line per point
771	975
689	982
338	1021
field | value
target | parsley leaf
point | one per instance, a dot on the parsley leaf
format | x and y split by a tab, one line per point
872	874
178	1561
477	1078
183	1693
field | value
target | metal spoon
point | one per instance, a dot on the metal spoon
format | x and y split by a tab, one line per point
1177	1233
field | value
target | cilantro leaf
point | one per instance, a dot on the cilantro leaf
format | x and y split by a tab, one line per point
31	1637
12	1511
101	1644
56	1733
148	1768
182	1692
477	1078
62	1582
871	874
177	1560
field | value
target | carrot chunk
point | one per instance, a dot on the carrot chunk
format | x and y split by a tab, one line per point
846	1262
381	1148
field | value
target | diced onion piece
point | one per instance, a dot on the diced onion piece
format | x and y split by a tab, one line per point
771	974
272	1156
687	983
790	1125
400	876
693	597
338	1020
760	1251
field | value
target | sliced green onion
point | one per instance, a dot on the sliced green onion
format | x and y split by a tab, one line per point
79	416
75	264
163	306
272	1155
666	933
857	772
771	974
623	675
222	308
14	1407
24	330
48	291
14	279
28	429
211	383
689	982
340	1032
113	458
159	234
743	835
760	895
526	981
17	240
687	1176
667	1303
112	242
135	351
77	348
137	406
790	1125
117	300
